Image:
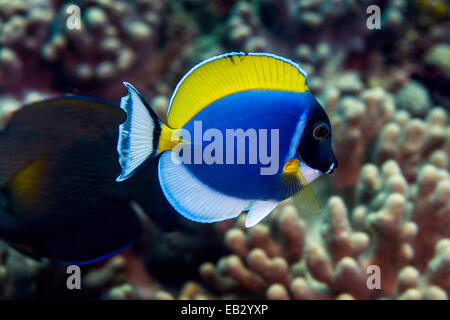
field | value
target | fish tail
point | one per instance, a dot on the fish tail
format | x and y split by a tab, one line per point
139	135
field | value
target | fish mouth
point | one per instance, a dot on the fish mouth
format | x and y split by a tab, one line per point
331	169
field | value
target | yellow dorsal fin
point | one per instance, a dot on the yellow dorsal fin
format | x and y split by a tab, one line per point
233	72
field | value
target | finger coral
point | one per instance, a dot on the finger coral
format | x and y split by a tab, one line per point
388	228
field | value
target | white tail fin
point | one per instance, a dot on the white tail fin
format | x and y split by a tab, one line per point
138	135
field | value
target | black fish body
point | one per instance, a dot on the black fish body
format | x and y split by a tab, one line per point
57	168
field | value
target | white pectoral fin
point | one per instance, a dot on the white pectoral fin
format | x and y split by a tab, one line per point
192	198
258	210
307	198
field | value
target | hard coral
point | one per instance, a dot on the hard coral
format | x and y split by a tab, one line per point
393	225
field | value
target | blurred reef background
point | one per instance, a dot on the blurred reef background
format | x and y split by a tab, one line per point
386	92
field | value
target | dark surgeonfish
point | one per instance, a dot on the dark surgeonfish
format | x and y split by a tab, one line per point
58	194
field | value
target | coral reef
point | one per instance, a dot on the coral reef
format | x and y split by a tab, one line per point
414	97
18	274
401	228
387	206
356	121
112	39
438	56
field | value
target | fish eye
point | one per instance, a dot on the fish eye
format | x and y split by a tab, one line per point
320	131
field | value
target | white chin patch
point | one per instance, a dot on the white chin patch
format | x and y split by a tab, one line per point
309	173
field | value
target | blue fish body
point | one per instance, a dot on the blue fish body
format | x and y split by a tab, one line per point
253	109
243	133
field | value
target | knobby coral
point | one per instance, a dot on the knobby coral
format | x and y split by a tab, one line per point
399	227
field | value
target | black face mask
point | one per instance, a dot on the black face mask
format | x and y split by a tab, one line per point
315	144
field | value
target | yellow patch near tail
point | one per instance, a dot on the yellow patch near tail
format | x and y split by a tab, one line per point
168	139
23	185
294	183
230	73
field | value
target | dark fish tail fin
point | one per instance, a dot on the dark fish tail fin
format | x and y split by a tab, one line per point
139	135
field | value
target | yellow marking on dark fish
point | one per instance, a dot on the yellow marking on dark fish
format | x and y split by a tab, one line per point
24	184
